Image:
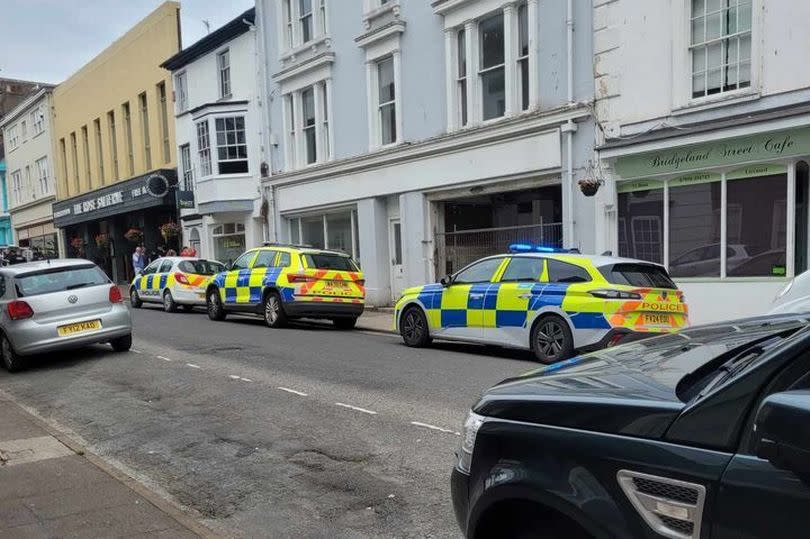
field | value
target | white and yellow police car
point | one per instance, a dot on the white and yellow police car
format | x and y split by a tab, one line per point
174	282
550	301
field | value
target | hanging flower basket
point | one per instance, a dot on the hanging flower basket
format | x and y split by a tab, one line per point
102	241
589	186
169	230
134	235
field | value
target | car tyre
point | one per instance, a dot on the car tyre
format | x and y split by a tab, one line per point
213	304
134	299
12	361
345	323
273	309
122	344
168	302
413	327
552	340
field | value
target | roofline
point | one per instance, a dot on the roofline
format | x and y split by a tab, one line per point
231	30
17	111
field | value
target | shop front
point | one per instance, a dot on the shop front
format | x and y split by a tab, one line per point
34	230
106	225
728	216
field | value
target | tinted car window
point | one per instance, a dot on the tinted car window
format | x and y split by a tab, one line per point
284	260
243	261
201	267
480	272
523	269
645	275
563	272
59	280
330	261
265	259
151	268
166	266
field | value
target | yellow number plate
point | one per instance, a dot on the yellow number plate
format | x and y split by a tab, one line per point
81	327
657	320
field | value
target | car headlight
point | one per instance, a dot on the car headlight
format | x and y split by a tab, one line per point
468	434
785	290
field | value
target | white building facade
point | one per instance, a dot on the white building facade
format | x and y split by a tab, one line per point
219	133
420	136
705	145
30	174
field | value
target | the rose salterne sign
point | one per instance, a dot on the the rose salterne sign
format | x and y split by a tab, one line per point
761	147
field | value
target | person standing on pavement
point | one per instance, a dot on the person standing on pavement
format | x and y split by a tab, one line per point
138	260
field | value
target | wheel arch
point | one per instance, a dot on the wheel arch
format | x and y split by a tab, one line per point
409	304
544	312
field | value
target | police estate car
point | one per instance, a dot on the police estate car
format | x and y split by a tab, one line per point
282	282
173	281
548	300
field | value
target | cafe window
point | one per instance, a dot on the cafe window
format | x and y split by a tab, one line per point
755	208
337	231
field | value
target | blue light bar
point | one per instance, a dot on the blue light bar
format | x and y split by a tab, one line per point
529	248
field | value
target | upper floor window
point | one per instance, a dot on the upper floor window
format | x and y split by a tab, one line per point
231	146
42	174
23	129
38	120
181	91
461	76
16	186
147	146
204	148
303	21
492	69
186	168
307	130
387	101
224	67
12	137
523	56
720	46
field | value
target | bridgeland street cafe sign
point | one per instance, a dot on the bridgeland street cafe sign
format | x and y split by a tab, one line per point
753	148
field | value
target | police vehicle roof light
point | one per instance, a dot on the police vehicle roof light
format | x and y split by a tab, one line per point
529	248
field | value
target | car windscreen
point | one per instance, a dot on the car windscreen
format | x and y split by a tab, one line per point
633	274
329	261
60	279
200	267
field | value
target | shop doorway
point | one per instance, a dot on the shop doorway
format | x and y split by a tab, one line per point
395	248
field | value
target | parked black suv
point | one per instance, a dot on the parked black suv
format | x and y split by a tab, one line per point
705	433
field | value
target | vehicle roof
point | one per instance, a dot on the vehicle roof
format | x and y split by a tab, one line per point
299	249
181	258
27	267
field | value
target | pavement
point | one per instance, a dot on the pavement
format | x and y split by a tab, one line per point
307	431
53	488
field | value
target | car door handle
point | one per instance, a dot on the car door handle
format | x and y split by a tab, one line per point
526	296
476	296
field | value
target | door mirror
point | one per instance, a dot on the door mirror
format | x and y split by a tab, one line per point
229	266
780	436
447	280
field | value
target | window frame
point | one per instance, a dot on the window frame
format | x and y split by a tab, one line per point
250	256
294	223
99	150
43	175
203	133
16	186
143	108
223	118
382	106
540	260
38	120
181	90
12	138
302	25
224	73
500	259
186	167
295	132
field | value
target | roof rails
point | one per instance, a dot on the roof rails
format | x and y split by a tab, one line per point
293	245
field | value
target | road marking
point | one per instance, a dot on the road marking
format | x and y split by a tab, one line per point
163	358
193	366
434	427
293	391
233	376
135	351
246	379
356	408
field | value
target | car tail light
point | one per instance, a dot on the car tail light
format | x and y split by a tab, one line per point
19	310
614	294
361	282
300	278
115	294
181	278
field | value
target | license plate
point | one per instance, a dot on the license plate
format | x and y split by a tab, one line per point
657	320
80	327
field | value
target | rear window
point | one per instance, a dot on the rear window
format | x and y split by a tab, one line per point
330	262
59	280
644	275
201	267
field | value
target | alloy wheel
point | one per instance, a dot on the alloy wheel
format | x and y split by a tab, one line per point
550	338
413	327
271	310
213	304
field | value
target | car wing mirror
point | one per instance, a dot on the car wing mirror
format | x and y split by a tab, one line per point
780	437
447	280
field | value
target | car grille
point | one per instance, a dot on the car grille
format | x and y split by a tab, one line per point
686	528
666	490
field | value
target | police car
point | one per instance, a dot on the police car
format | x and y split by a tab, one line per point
174	282
550	301
284	282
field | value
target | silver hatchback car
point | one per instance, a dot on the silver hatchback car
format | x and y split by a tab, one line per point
58	305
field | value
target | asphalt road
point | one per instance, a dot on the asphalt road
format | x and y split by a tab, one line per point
302	432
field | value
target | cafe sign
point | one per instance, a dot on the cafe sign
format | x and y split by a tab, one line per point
753	148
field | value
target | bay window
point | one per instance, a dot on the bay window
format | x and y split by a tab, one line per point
204	148
231	145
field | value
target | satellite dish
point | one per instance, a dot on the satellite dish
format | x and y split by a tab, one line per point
157	185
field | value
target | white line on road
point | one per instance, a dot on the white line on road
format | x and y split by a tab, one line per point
293	391
246	379
356	408
434	427
135	351
193	366
233	376
163	358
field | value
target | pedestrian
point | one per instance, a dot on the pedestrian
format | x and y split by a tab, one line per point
138	260
171	252
192	252
184	251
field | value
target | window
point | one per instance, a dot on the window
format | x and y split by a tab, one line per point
181	91
266	259
327	147
59	280
641	224
243	262
224	67
523	56
387	104
310	138
164	121
329	262
86	148
42	176
562	272
288	28
204	148
292	154
229	242
113	143
492	68
461	76
337	230
166	266
151	268
322	10
38	120
63	156
99	150
23	130
147	146
74	150
231	145
720	46
643	275
185	167
200	267
523	269
29	186
694	230
284	260
305	20
312	231
480	272
128	138
16	186
13	137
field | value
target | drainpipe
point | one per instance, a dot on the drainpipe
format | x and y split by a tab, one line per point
569	128
269	229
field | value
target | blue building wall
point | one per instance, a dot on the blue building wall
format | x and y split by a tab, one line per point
5	220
